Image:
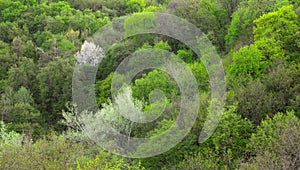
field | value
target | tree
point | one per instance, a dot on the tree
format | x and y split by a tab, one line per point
230	138
135	5
247	63
54	153
9	138
27	120
89	54
275	145
276	32
186	55
241	27
201	75
155	79
55	88
24	74
210	16
23	96
273	93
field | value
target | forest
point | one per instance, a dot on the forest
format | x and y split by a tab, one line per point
50	57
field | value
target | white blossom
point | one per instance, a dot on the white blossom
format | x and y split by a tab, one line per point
90	53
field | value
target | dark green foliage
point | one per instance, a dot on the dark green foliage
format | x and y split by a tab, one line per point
55	87
115	56
272	94
24	74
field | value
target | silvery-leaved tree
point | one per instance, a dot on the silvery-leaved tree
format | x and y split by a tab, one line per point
90	53
106	125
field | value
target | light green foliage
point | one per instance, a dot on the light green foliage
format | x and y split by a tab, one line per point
154	80
159	8
104	90
230	138
66	45
241	26
201	76
162	45
12	11
234	29
247	63
135	5
23	96
276	33
9	138
139	22
38	42
106	161
206	159
186	55
54	153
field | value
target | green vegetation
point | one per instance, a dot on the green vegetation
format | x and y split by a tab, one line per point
257	40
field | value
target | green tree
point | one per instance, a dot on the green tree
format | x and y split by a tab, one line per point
54	153
135	5
241	26
24	74
55	87
248	63
276	32
210	16
273	93
27	120
276	145
155	79
23	96
186	55
230	138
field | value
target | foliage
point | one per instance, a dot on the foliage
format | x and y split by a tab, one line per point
241	26
55	153
247	63
9	138
155	79
275	145
270	95
41	40
135	6
230	138
23	74
278	29
55	81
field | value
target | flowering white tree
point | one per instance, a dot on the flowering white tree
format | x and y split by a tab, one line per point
90	53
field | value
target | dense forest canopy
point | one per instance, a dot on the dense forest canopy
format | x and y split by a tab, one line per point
42	41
